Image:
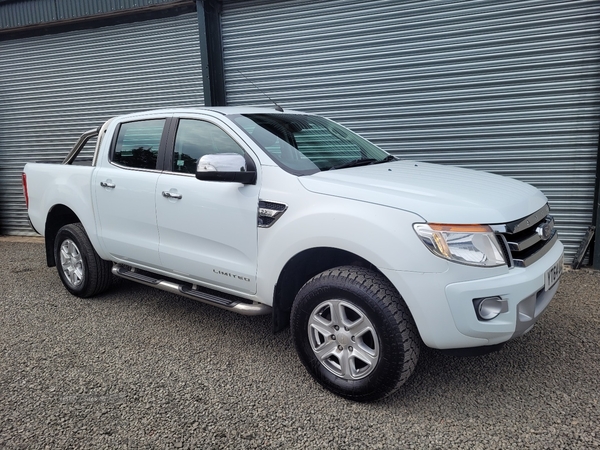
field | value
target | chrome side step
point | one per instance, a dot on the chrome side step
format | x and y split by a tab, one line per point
223	301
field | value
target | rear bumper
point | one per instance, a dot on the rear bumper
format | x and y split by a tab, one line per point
442	304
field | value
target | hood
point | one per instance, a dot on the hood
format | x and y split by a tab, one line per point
441	194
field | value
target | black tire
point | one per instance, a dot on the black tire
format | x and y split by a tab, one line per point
381	356
81	270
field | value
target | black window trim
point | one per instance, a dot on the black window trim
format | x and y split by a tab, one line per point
161	146
167	156
290	170
165	164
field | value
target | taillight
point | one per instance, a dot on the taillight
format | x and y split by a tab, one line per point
24	179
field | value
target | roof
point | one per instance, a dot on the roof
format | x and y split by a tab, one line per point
225	110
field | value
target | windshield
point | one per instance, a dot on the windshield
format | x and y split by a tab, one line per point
304	144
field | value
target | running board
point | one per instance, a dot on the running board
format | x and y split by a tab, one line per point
220	300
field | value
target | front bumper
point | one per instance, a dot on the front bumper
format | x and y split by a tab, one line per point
442	303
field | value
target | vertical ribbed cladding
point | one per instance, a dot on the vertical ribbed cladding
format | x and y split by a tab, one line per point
55	87
511	87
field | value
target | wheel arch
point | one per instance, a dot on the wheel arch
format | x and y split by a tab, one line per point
301	268
58	216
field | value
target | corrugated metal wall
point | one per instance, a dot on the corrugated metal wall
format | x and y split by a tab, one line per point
511	87
54	87
23	13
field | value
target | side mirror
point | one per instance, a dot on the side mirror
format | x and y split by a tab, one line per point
231	167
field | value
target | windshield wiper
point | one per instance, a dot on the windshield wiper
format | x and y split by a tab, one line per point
388	158
363	162
354	163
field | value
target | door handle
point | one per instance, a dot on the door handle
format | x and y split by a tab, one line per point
107	184
174	195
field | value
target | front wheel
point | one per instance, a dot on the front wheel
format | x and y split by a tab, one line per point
354	333
81	270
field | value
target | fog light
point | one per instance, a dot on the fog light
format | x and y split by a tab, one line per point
488	308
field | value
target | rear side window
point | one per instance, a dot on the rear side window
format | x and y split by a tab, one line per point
137	144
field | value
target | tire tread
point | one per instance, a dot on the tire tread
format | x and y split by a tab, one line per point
98	271
388	303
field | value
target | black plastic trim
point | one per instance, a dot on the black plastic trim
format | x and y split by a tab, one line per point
137	276
473	351
206	296
248	177
527	222
167	145
534	254
113	143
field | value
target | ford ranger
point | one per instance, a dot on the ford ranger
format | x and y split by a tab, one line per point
364	256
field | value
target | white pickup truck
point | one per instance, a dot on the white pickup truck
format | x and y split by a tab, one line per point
259	211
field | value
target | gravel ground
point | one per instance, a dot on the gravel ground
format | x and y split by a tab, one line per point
140	368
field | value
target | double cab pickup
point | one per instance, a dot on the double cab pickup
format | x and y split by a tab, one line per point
365	256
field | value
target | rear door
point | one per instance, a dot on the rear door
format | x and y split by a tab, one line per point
208	229
125	187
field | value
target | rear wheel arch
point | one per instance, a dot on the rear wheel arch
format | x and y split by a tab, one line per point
58	217
80	268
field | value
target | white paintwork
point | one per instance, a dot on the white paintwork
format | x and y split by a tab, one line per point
126	214
210	235
439	194
49	185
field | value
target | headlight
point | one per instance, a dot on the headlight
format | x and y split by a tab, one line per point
467	244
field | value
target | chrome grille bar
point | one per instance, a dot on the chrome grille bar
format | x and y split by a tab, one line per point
528	239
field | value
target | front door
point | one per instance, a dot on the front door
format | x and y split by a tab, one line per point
208	229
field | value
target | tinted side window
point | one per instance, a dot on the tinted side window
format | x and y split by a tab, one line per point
137	144
196	138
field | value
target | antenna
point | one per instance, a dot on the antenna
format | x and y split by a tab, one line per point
277	107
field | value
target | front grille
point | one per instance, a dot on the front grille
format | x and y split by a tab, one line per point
526	240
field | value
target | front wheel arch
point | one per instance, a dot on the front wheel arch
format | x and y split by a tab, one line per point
301	268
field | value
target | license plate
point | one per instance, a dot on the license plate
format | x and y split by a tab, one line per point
553	274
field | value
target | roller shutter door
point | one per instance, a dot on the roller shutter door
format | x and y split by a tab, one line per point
508	87
54	87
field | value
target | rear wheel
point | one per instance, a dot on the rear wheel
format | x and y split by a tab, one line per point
354	333
81	270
